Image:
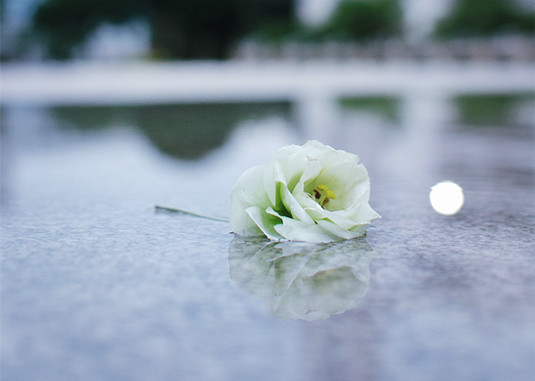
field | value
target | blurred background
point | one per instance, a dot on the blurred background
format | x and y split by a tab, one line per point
309	59
109	107
211	29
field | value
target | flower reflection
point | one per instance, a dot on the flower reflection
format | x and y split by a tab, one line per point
299	280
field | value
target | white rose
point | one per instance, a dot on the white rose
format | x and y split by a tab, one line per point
308	193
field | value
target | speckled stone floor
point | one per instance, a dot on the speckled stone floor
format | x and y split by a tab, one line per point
97	286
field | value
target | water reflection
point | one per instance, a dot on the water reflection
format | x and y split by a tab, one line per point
386	107
186	131
300	280
356	123
495	109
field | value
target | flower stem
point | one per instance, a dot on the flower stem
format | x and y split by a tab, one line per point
180	211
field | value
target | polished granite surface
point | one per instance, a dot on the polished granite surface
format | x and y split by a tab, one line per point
97	285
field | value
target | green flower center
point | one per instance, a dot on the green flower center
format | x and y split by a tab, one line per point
322	194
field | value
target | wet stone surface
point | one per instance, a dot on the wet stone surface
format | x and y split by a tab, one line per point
98	286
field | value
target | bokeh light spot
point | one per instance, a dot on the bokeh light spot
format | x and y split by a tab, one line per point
446	198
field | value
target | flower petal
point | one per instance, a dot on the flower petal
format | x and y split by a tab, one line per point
294	230
265	222
293	206
341	233
283	166
248	191
273	175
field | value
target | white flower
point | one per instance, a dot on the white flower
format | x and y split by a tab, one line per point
308	193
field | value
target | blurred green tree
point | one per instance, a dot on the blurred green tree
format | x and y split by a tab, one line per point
362	20
482	18
179	28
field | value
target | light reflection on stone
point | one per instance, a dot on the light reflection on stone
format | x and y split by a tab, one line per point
299	280
446	198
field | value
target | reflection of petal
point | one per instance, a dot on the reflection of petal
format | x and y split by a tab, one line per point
299	280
